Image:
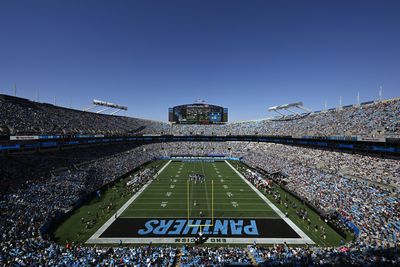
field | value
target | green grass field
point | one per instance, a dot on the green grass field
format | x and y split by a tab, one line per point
223	194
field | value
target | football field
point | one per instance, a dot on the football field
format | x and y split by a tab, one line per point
222	192
186	198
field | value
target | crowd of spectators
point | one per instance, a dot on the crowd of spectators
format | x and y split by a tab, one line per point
36	252
351	255
219	256
373	208
374	119
20	116
32	204
19	168
379	170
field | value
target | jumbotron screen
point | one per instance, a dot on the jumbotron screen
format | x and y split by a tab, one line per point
198	114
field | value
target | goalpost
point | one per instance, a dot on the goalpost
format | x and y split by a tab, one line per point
212	206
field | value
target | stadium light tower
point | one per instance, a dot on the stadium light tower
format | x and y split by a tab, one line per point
289	108
107	105
199	101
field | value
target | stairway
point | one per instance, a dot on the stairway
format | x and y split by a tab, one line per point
253	260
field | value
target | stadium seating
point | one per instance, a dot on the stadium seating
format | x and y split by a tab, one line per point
16	169
21	116
375	210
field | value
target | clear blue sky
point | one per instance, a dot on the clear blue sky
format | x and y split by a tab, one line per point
245	55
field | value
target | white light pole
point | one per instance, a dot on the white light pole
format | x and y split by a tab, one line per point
358	98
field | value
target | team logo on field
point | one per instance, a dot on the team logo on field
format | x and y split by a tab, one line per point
183	227
187	228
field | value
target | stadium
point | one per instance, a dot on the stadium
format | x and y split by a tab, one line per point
214	194
109	156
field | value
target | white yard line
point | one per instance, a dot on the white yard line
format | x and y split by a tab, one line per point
205	185
278	211
97	234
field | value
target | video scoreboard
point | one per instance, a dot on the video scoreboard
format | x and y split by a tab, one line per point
198	113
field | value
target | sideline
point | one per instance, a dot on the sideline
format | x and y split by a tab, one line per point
275	208
97	234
